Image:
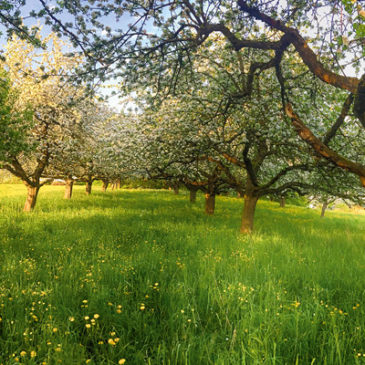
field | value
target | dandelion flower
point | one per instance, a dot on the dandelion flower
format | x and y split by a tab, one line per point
121	361
96	316
23	353
111	342
87	325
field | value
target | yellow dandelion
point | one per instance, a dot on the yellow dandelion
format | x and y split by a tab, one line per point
71	319
84	301
116	339
23	353
111	342
33	354
55	330
121	361
112	333
96	316
119	311
88	325
86	318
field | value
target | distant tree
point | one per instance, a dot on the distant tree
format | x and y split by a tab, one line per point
248	141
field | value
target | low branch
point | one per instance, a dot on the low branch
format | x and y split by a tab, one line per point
305	52
306	134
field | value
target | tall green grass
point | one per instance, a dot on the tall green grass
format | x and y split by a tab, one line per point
147	277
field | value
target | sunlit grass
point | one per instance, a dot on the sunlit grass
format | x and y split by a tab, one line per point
147	277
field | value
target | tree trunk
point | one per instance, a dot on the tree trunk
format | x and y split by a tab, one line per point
31	198
282	202
248	213
324	207
209	203
118	184
68	188
176	189
192	195
88	187
240	195
105	185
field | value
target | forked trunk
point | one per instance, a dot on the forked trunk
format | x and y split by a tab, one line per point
105	185
209	203
31	198
323	210
68	188
282	202
88	187
248	213
192	195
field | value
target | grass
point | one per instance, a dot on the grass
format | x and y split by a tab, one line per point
147	277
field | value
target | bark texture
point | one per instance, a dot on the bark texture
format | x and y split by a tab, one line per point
68	188
209	203
105	185
248	214
282	202
31	198
192	195
88	187
323	210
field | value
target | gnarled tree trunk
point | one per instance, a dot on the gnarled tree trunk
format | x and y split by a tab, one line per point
31	198
192	195
105	185
324	207
209	203
88	187
68	188
282	202
248	213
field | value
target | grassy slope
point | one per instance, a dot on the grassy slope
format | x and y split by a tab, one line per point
175	286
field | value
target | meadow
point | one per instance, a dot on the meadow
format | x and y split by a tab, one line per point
145	277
